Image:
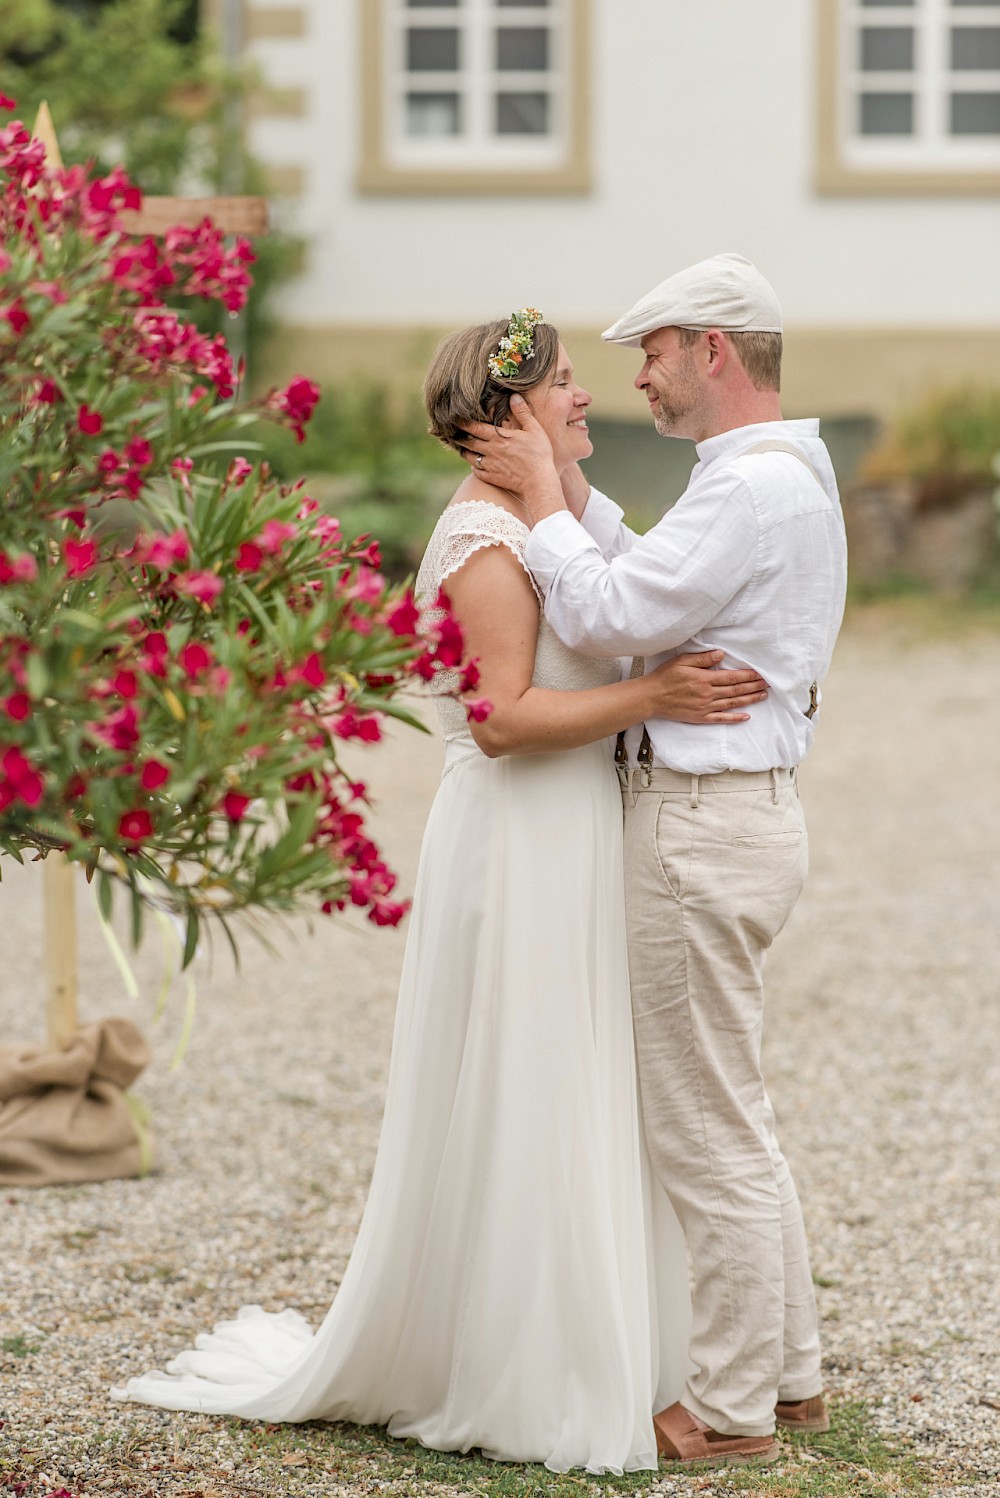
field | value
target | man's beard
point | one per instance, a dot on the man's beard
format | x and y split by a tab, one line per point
671	408
666	417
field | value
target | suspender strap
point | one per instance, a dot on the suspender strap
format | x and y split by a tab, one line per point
775	446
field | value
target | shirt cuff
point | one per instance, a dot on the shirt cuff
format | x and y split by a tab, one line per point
602	519
551	542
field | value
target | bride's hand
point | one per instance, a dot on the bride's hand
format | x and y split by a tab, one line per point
692	689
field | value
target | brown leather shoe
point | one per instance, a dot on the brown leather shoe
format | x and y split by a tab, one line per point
682	1438
805	1414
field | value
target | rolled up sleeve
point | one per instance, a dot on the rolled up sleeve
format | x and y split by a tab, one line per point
660	592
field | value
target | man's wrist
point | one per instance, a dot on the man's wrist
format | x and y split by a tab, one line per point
544	497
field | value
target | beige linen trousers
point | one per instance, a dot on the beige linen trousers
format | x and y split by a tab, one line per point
713	866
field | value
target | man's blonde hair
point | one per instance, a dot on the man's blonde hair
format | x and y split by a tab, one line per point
759	353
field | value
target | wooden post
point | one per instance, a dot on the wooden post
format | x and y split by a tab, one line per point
60	951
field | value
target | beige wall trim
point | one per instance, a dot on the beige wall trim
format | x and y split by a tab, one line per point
266	102
377	175
270	22
832	175
827	372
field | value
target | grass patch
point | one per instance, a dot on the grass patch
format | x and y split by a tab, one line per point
183	1456
850	1461
18	1347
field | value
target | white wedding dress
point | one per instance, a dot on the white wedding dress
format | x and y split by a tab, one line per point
518	1283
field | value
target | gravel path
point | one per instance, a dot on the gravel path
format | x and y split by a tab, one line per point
883	1055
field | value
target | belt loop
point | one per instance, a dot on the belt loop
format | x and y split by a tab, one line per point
774	786
794	773
695	785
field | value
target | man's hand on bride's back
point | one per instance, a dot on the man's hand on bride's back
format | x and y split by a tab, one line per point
693	689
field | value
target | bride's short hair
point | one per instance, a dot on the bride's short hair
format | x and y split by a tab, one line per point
459	387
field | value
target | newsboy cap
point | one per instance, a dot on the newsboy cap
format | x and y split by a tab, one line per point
725	292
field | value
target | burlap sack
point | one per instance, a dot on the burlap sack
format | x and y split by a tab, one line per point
63	1114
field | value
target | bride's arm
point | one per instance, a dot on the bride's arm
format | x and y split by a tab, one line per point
494	603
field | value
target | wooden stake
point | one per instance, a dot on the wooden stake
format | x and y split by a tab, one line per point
45	131
233	215
60	950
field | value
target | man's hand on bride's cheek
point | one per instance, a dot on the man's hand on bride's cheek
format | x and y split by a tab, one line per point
512	455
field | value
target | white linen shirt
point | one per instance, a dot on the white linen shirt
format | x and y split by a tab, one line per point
752	560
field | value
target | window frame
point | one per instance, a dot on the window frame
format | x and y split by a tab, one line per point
510	164
902	165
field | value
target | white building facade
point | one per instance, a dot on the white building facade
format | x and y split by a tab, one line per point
444	161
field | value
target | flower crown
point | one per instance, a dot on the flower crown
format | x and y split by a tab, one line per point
516	345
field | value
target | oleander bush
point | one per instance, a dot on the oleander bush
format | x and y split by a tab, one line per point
186	640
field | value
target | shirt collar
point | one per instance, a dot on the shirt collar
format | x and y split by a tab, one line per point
728	444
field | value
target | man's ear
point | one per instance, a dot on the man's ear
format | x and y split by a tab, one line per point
717	347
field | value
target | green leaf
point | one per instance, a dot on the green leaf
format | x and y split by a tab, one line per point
190	937
105	893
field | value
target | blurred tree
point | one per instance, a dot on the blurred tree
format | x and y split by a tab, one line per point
138	82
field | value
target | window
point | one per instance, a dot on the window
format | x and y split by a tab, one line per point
910	95
474	95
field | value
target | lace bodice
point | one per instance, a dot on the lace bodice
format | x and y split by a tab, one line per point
463	529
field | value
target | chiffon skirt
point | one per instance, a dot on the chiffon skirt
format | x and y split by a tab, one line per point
518	1283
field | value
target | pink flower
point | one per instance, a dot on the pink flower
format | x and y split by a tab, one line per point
17	706
50	289
7	103
205	586
478	710
154	774
135	826
125	684
154	657
234	805
22	569
297	401
350	724
274	535
17	315
311	671
47	393
249	558
182	465
22	782
449	643
89	422
164	552
109	461
239	468
120	730
139	452
194	658
366	587
80	557
404	618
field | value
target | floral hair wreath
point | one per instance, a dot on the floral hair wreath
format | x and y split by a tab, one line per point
516	345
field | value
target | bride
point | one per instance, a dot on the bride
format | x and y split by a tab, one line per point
519	1282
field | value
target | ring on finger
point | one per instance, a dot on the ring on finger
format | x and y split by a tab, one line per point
479	461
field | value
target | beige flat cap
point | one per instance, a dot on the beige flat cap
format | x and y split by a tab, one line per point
725	292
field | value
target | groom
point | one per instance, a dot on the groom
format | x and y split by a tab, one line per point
751	559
